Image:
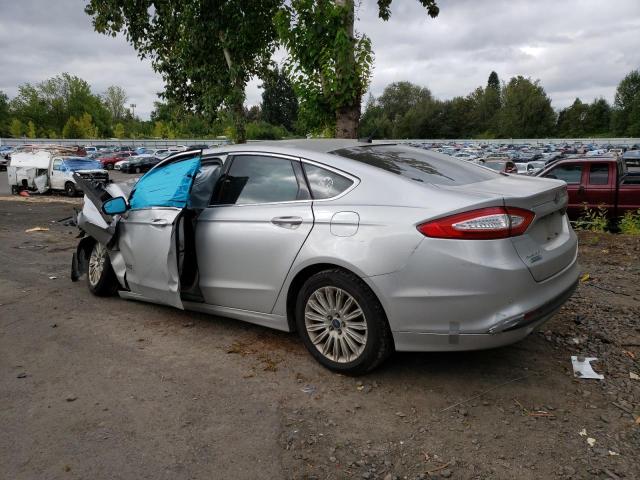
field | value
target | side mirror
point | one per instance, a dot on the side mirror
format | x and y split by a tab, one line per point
115	206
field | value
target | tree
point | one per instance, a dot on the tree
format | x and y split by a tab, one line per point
398	97
72	129
489	104
598	117
115	99
330	64
118	130
279	102
50	103
572	120
86	126
16	128
526	110
4	114
206	51
31	130
627	104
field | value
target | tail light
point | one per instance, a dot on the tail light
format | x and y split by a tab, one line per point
482	224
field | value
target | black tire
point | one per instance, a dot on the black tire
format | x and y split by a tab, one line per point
379	342
105	284
70	189
138	170
109	166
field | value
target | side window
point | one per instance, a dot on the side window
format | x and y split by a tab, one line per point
599	174
569	173
57	164
259	179
325	183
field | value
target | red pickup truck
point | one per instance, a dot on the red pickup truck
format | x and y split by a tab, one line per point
596	182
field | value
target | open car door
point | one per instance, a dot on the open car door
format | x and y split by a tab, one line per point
149	233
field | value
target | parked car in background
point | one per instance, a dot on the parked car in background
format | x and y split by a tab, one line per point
44	170
594	182
535	167
505	166
110	160
361	248
631	158
140	164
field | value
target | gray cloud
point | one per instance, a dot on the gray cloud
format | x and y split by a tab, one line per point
577	48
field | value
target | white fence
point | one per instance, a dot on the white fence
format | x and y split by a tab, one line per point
134	143
161	143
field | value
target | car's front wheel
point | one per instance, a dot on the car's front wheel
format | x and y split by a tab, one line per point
342	323
101	278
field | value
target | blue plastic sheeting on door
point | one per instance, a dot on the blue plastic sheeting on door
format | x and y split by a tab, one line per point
166	186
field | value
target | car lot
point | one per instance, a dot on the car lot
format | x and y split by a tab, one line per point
101	388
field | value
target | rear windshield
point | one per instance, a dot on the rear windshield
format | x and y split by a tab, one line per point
418	165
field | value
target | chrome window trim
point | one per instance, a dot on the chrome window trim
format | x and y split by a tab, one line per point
353	178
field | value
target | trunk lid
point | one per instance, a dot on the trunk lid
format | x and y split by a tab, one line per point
549	245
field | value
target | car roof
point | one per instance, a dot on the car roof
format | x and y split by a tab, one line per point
318	145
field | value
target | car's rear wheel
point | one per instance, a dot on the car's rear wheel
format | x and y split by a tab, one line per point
342	323
101	278
109	166
138	170
70	189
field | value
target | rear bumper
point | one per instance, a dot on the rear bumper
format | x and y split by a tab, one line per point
455	341
452	296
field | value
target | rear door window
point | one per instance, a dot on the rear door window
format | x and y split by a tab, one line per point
571	174
259	179
325	183
599	174
418	165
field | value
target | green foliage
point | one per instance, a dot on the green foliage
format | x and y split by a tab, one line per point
626	116
526	110
82	127
51	103
71	129
329	63
581	119
4	115
261	130
118	131
115	98
279	102
592	219
630	223
206	51
31	130
17	128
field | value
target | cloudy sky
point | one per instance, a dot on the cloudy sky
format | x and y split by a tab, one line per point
577	48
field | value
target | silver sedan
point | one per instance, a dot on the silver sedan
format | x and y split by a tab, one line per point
362	248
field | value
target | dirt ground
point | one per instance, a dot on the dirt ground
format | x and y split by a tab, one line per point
105	388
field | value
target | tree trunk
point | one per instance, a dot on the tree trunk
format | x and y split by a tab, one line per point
238	96
347	121
348	115
239	120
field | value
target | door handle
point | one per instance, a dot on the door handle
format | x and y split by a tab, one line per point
287	222
159	222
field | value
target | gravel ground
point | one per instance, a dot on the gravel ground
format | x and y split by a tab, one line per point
104	388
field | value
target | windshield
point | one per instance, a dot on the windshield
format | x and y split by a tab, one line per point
74	164
417	164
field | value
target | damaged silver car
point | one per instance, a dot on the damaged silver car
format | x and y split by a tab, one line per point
362	248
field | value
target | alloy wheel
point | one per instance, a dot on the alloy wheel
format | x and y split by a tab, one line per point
96	263
336	324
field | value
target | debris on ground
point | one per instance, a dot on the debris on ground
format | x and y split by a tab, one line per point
36	229
582	367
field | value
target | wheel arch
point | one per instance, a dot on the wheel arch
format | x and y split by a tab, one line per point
301	276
